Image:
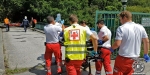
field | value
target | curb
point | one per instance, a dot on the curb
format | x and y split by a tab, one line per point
41	31
38	30
2	67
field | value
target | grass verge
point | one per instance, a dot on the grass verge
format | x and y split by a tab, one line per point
15	71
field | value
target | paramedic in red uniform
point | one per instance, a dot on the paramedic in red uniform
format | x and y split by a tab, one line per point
128	38
75	44
104	39
52	44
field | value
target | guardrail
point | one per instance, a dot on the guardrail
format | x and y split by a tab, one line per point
40	25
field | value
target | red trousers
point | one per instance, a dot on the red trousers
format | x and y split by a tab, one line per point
52	48
73	67
107	63
123	66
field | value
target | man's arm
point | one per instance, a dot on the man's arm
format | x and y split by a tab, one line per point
118	39
146	45
104	35
93	38
8	21
105	38
28	22
63	27
145	40
94	42
116	44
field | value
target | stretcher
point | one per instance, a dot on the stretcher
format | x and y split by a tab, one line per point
87	62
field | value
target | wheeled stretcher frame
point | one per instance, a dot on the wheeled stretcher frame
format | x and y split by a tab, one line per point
89	59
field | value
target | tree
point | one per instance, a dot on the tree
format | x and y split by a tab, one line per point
84	9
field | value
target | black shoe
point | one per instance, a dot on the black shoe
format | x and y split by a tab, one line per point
85	65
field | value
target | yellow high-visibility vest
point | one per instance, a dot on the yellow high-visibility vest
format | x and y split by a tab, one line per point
75	42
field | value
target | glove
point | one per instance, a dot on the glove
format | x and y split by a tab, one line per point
61	34
93	53
62	22
147	58
100	42
111	49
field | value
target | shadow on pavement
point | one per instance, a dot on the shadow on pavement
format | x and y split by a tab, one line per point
13	31
17	31
39	69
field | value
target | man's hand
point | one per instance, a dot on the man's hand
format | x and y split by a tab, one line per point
100	42
93	53
146	57
111	49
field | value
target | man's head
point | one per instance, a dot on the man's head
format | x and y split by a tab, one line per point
83	23
125	16
25	17
50	20
73	19
100	23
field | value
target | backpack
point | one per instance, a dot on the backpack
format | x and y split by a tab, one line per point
34	21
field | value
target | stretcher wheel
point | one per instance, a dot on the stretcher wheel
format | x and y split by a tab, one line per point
85	65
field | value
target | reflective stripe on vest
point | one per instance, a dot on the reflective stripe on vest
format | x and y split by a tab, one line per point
75	52
79	45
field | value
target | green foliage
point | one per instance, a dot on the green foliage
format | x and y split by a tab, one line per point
139	9
84	9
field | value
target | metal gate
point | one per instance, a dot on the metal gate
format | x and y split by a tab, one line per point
112	22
